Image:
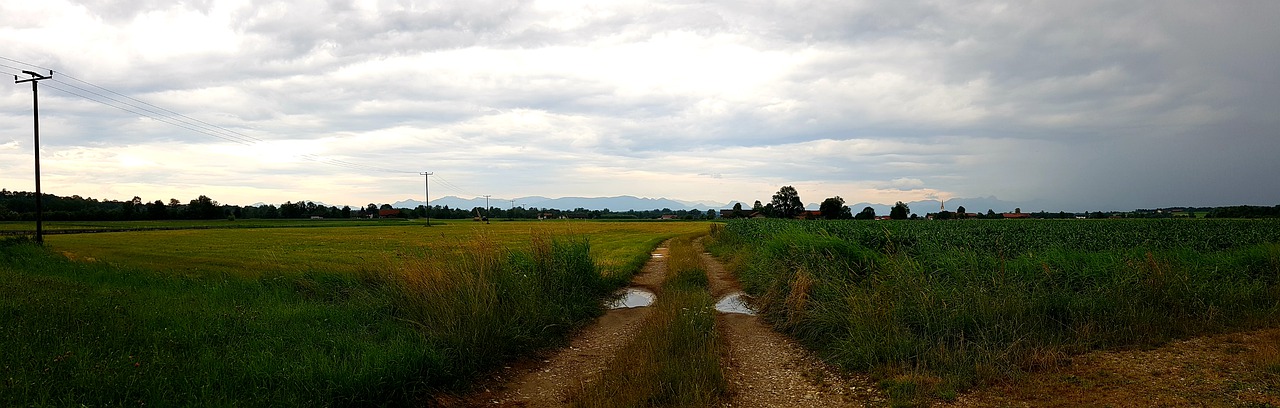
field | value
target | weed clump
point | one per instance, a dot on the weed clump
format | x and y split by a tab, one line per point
484	304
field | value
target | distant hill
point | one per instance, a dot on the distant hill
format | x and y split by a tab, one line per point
618	203
973	205
626	203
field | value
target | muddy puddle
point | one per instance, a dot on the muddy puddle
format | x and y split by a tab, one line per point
735	302
632	297
656	255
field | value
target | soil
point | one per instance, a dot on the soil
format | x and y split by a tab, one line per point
767	369
1227	370
547	381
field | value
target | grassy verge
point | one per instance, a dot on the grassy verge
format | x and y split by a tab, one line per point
99	334
930	318
674	360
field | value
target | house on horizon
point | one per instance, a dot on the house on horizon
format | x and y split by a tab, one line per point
744	213
392	213
809	215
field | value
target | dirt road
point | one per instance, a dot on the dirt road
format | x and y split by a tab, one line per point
547	381
767	369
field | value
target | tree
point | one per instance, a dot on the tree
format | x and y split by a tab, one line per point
204	208
834	208
290	210
156	210
346	211
900	211
786	202
866	214
711	214
737	210
960	214
127	210
757	207
991	213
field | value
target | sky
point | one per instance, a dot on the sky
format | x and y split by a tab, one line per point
1070	105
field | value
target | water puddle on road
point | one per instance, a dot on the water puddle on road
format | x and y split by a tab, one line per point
632	297
735	302
655	255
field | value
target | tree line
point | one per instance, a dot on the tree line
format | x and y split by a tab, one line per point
786	203
21	206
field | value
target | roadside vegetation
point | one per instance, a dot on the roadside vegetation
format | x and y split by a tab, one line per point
374	330
931	309
674	360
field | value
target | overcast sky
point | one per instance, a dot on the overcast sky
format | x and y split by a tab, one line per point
1074	105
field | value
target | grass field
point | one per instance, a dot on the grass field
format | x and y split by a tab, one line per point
932	308
326	316
276	248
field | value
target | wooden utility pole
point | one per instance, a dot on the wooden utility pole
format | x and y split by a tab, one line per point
427	184
35	112
486	209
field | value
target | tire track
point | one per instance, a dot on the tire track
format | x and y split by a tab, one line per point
768	369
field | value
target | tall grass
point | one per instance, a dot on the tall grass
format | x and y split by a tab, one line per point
89	333
490	304
938	318
674	359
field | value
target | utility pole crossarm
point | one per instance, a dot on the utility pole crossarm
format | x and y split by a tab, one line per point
34	77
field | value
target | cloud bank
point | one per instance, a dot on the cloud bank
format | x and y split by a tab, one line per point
1080	105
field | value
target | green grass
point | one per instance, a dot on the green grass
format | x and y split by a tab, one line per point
350	316
76	333
616	247
674	359
929	313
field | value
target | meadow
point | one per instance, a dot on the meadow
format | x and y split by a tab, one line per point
318	316
934	308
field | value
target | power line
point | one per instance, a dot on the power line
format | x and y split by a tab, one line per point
455	188
135	106
145	109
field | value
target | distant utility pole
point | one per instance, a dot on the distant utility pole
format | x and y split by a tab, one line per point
486	208
427	186
35	112
511	215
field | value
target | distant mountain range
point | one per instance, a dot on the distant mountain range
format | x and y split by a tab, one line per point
619	203
627	203
972	205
